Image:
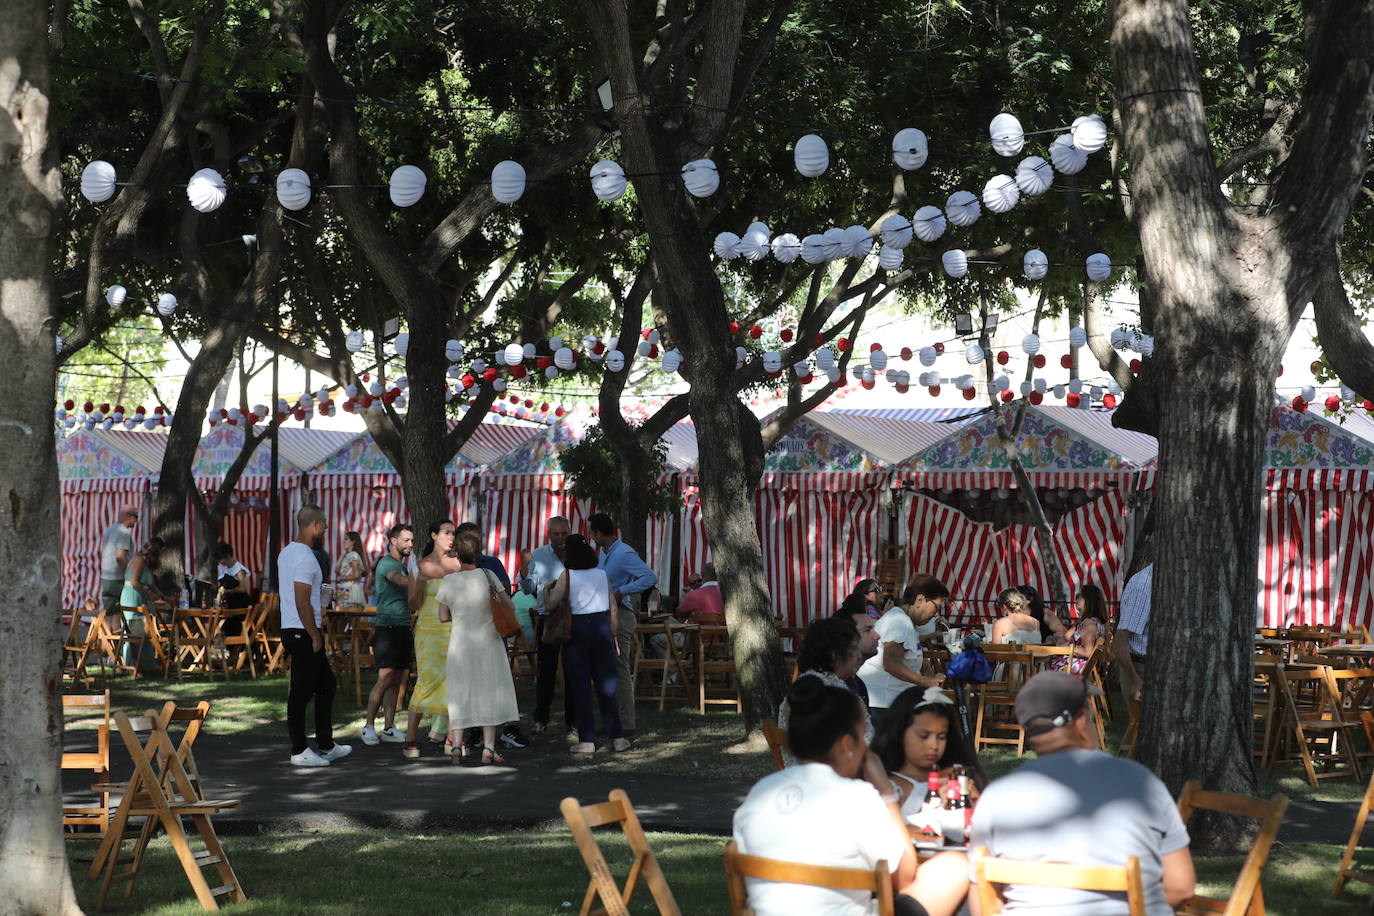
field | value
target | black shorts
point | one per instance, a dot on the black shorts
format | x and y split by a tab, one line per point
393	647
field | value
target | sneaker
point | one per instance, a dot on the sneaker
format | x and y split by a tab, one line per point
583	747
391	735
539	727
621	744
337	751
511	737
309	758
573	736
370	736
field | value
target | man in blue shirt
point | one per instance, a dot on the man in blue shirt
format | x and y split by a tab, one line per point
630	577
544	568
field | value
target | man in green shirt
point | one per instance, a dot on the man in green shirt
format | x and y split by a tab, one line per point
393	645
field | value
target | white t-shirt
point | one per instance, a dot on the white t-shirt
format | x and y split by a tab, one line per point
810	814
894	626
297	563
221	570
115	539
589	591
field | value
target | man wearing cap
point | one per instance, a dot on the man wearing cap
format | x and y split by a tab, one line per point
1075	804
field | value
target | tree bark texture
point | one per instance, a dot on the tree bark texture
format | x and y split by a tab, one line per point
33	856
1227	290
689	293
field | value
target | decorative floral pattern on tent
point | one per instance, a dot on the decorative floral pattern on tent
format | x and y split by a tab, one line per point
1304	440
812	448
1043	446
362	456
540	454
84	462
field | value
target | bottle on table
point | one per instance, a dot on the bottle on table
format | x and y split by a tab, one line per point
928	818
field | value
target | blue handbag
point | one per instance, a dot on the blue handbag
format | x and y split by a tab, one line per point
970	666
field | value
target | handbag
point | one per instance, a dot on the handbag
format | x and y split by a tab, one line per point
502	609
558	625
970	666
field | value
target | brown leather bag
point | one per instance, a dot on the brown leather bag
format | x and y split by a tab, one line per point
558	625
502	608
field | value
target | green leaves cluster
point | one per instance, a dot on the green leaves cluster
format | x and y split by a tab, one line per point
594	470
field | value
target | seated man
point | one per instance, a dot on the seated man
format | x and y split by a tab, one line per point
1077	805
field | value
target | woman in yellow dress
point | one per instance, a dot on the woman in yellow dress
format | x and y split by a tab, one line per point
431	641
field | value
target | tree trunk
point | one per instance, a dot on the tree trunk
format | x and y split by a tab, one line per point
33	854
634	498
423	451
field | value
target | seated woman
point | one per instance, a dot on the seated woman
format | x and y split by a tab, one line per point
1052	629
921	733
837	808
829	654
1090	630
1016	624
898	662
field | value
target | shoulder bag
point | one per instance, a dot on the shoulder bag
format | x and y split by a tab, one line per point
558	625
502	608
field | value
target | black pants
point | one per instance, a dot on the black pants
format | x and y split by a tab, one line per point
311	679
589	662
546	678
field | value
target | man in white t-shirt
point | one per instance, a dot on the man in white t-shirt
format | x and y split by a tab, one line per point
897	663
116	549
1075	804
299	578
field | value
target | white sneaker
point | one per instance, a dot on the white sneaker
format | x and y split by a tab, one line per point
337	751
370	736
583	747
389	736
621	744
308	758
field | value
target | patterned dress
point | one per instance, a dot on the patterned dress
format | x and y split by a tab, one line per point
431	655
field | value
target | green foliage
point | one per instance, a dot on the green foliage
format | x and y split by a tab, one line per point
120	368
594	469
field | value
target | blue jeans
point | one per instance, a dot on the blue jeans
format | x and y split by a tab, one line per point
589	660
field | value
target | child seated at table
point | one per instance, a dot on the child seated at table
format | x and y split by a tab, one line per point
921	734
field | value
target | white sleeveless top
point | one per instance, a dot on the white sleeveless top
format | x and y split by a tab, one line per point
588	591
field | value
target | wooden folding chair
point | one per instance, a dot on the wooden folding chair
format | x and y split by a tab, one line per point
1315	727
522	655
777	740
153	633
1132	734
581	820
738	866
267	635
1345	873
163	797
990	871
197	641
670	664
716	680
1247	896
1353	689
99	642
996	723
240	645
80	822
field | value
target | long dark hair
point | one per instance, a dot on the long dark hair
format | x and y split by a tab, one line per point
577	553
434	528
354	541
818	716
888	741
1036	609
1094	603
151	552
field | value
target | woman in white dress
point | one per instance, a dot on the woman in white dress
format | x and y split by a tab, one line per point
480	690
352	572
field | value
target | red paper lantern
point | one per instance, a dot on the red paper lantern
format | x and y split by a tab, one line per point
1135	367
1039	360
598	348
874	347
1073	400
1280	375
1036	397
515	399
1369	405
558	412
970	394
755	332
1316	366
653	351
1333	403
906	354
519	371
1066	361
468	381
818	340
939	348
1007	397
88	407
902	389
786	335
366	401
734	328
544	408
367	376
1003	357
489	374
1299	404
529	403
1109	401
69	404
299	414
542	362
104	408
495	408
842	345
644	334
934	391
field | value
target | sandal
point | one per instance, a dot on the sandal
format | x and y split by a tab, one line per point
410	750
491	756
457	753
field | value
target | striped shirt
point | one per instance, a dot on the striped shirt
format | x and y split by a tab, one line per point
1135	609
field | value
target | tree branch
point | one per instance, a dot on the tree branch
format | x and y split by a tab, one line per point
1349	352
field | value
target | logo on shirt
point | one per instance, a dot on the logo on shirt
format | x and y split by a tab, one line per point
789	799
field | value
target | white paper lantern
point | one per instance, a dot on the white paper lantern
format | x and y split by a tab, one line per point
98	181
116	295
802	370
858	241
551	372
1077	336
928	223
1035	264
57	343
1001	383
608	180
507	181
293	189
1007	136
589	341
407	186
1098	267
1095	392
786	248
166	305
497	384
741	357
453	351
1067	158
206	190
955	263
563	358
375	389
1059	392
672	361
1041	385
479	365
867	374
1146	347
1026	388
878	360
556	342
814	249
928	356
772	362
974	354
643	348
964	382
528	350
811	156
1347	394
962	208
1076	386
1034	176
754	243
514	354
701	177
825	358
896	232
1030	344
1114	388
836	241
150	423
1121	339
1001	194
1089	133
401	342
910	148
351	391
726	246
890	258
354	341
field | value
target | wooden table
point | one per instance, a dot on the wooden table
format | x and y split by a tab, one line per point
1362	651
338	621
1272	645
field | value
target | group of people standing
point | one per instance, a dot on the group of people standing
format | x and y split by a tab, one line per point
463	677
